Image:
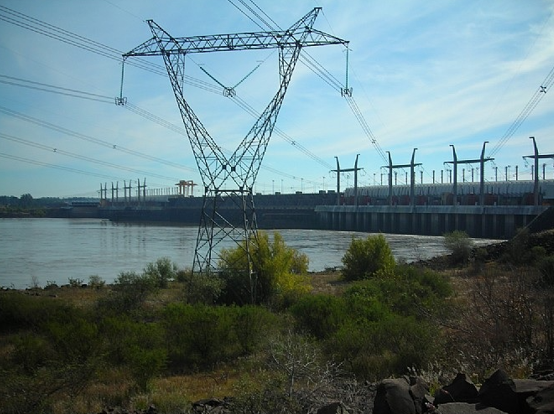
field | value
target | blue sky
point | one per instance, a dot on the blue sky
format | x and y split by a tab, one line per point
424	74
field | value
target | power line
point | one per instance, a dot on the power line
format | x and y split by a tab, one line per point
540	92
44	87
38	26
58	167
327	77
88	138
82	157
150	116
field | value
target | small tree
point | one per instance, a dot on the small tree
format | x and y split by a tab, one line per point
161	271
459	245
277	271
365	258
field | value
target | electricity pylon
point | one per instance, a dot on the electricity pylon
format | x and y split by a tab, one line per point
239	170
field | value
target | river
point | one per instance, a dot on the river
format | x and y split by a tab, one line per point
46	250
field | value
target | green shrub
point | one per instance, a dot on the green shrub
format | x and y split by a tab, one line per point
278	271
139	346
19	311
546	268
198	335
75	338
379	349
201	287
252	325
96	282
161	271
320	315
459	245
31	352
365	258
130	290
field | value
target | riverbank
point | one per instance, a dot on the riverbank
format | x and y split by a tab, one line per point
99	347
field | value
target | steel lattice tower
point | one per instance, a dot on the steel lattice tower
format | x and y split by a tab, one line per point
240	169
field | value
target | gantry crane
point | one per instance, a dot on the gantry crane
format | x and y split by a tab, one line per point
218	171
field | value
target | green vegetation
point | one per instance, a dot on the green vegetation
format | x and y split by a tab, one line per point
459	245
367	258
169	337
278	273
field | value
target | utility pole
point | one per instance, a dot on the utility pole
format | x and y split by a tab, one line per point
481	162
355	170
230	179
536	158
412	166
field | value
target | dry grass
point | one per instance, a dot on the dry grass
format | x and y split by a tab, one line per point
329	283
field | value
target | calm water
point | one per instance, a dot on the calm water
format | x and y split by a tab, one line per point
54	250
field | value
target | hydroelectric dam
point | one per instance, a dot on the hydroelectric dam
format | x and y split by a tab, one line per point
495	210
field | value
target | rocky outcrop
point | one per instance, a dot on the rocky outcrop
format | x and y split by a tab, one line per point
498	394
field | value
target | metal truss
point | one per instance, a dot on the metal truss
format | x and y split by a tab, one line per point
239	170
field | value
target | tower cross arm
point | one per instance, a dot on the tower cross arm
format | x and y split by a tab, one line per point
232	42
302	34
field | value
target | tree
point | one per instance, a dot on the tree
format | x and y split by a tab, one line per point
365	258
277	271
161	271
26	200
459	244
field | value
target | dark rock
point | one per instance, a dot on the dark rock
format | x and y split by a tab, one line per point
531	386
461	389
543	401
466	408
393	397
212	406
499	391
333	408
419	390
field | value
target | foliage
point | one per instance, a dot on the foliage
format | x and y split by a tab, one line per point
200	287
384	324
320	315
459	245
161	271
505	319
378	349
136	345
26	200
96	282
197	336
19	311
518	248
546	268
251	326
366	258
278	271
130	290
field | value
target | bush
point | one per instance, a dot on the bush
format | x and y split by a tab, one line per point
161	271
18	311
96	282
320	315
459	245
201	288
278	272
546	268
139	346
198	335
383	348
252	325
365	258
130	292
